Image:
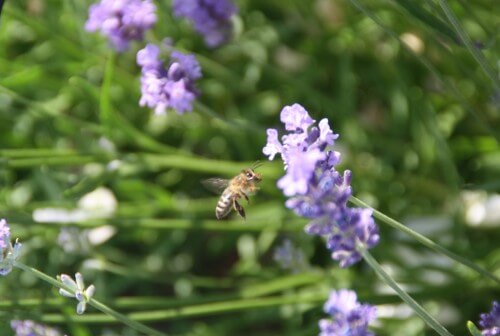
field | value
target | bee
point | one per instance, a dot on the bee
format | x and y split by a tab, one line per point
241	185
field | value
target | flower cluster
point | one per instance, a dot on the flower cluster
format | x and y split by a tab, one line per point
171	87
491	322
8	253
316	190
290	257
30	328
211	18
349	317
79	292
121	20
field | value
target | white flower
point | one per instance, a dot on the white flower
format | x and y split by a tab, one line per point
78	291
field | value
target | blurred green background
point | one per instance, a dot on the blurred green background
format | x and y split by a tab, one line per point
419	126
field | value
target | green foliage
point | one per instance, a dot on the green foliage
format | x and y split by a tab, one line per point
474	331
415	102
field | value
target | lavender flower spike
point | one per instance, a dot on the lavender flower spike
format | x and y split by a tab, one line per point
30	328
8	253
490	322
171	87
211	18
121	20
78	291
289	257
316	190
348	316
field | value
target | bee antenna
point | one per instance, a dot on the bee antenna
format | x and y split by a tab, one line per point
257	164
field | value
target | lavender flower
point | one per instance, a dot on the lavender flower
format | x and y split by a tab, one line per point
316	190
491	322
30	328
171	87
78	291
349	317
121	20
211	18
8	253
289	257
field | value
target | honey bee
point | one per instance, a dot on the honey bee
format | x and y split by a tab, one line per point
232	190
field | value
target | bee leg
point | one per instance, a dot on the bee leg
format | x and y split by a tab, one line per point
246	197
237	206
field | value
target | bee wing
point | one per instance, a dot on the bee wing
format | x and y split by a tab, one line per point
215	184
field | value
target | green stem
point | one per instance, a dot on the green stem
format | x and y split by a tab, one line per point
201	164
42	110
35	152
233	123
476	53
238	225
431	321
69	160
197	310
426	241
96	304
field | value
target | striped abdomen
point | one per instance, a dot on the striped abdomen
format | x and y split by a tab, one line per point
225	204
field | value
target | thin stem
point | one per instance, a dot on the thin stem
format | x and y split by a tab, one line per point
431	321
255	224
96	304
198	310
69	160
233	123
476	53
425	241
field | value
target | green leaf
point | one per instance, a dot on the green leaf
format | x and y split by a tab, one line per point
474	331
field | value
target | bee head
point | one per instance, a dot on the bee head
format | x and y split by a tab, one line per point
250	175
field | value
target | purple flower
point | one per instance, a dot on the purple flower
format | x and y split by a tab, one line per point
30	328
349	317
316	190
355	227
4	235
8	253
121	20
171	87
301	166
295	118
211	18
290	257
491	322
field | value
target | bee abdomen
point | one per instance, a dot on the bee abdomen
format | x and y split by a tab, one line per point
223	206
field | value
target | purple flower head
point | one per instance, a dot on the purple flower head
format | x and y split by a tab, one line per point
349	317
149	58
301	166
210	18
8	253
316	189
341	302
121	20
172	87
296	118
357	227
30	328
490	322
4	235
290	257
273	145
